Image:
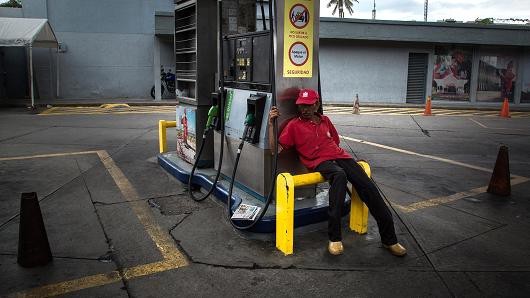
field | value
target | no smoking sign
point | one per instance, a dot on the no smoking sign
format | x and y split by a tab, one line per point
299	16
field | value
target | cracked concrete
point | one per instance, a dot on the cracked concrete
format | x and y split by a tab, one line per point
475	246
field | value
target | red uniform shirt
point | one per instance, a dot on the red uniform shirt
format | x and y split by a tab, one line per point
314	143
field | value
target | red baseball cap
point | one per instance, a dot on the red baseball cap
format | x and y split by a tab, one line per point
307	97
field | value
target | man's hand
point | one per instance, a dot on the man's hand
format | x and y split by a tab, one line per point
273	114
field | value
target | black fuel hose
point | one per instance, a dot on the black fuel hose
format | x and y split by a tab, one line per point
222	116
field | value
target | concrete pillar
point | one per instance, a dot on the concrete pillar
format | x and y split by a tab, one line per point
31	76
473	85
156	68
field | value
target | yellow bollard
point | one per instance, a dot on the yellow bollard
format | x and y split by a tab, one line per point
285	213
358	210
162	139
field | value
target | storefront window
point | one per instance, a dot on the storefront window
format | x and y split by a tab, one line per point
452	73
525	90
496	77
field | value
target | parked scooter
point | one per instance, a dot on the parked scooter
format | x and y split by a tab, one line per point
167	83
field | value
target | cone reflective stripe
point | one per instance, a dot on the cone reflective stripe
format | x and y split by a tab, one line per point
428	111
33	246
500	179
505	110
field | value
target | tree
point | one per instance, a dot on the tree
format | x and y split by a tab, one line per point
485	21
340	4
12	3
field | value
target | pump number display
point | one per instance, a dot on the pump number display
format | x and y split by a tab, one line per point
298	39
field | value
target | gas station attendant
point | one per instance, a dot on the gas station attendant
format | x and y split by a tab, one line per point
316	141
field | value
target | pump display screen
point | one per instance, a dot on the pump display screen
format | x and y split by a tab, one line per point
246	61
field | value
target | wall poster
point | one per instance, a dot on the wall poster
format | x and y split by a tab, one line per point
496	78
186	133
452	73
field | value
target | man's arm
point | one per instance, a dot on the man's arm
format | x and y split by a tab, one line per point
273	115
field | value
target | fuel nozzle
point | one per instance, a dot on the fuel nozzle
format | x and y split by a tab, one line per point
250	125
212	117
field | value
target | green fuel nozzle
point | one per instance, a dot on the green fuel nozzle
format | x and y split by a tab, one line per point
212	114
250	120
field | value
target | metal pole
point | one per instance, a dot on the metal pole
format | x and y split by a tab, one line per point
31	76
156	68
57	71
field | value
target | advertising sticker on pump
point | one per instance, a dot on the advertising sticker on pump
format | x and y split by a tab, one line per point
298	39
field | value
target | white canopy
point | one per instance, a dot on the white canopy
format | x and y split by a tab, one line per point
19	32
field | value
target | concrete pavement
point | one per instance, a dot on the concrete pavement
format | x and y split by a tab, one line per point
119	225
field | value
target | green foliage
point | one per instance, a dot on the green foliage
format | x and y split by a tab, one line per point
12	3
485	21
339	4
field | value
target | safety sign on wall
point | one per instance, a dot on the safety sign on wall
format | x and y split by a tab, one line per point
298	39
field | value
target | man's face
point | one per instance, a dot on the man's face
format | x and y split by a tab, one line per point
307	111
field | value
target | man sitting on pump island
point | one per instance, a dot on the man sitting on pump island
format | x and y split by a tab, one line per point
316	141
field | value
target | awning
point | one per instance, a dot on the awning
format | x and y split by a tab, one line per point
20	32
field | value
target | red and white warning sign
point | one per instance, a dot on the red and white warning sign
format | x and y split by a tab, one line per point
299	16
298	53
298	39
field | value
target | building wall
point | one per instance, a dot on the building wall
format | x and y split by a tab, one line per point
377	71
109	47
10	12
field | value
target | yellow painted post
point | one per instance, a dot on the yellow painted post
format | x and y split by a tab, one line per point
285	213
359	211
162	139
162	136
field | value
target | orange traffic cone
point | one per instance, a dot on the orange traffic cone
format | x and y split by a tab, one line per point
428	111
500	179
505	111
356	105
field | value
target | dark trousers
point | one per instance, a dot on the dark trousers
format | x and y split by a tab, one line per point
338	172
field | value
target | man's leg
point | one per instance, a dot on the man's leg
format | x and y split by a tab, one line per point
370	195
337	192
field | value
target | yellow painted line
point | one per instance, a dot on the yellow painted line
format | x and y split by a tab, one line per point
71	285
173	258
48	111
165	244
114	105
98	280
45	155
454	197
108	109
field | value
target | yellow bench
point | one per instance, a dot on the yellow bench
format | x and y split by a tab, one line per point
285	185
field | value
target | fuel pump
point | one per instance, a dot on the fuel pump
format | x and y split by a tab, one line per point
264	59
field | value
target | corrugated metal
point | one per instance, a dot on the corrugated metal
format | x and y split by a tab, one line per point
416	78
